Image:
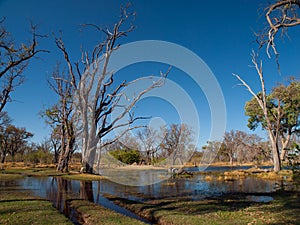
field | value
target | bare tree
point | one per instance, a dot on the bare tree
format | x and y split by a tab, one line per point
60	115
176	140
280	15
14	60
98	95
150	141
55	143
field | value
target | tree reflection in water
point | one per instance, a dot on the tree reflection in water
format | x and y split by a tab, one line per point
62	191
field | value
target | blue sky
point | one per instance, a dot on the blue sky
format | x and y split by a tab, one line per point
220	32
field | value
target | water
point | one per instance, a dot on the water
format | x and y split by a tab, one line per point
221	168
195	188
59	190
264	199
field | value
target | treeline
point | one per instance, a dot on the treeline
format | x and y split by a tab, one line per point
146	147
15	145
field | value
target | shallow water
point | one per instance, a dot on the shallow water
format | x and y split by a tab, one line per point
59	190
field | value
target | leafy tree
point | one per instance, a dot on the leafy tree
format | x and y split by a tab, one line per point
280	15
213	147
128	156
13	140
283	113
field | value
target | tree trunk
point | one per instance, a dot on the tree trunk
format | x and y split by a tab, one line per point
63	164
285	143
231	160
89	155
65	156
3	158
275	154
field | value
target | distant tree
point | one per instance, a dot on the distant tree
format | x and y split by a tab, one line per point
13	140
127	156
177	138
125	149
239	146
213	147
55	143
150	140
231	144
14	59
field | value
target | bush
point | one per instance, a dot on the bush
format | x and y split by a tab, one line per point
127	156
39	156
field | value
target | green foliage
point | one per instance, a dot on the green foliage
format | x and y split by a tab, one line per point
294	155
283	105
39	156
127	156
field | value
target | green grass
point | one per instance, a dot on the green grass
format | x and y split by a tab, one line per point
20	207
85	177
97	215
285	209
40	172
5	177
33	171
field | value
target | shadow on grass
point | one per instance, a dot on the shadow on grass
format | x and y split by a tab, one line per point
284	209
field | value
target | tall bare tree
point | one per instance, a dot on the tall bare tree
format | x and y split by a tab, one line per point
60	118
98	94
14	58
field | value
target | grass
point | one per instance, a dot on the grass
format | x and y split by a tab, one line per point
47	171
20	207
285	209
85	177
93	214
5	177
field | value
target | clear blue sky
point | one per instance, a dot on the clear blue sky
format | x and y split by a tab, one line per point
220	32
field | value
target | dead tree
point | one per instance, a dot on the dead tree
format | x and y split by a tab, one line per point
280	16
98	95
150	141
14	59
60	119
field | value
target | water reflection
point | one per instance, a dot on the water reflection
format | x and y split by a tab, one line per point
60	191
57	189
